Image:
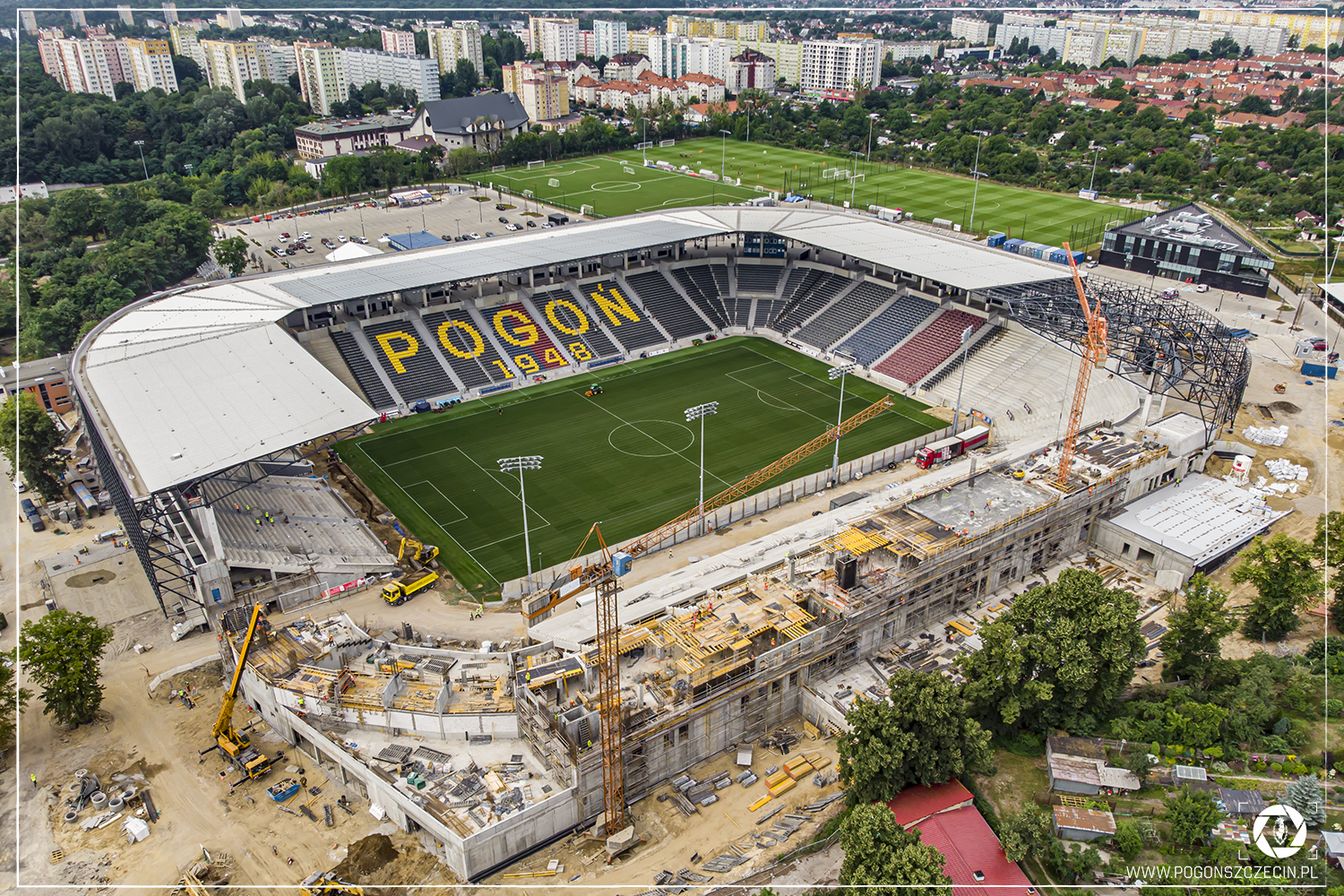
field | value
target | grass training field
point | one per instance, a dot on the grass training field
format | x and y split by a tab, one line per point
627	458
618	184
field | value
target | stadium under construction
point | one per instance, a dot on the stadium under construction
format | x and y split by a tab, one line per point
207	402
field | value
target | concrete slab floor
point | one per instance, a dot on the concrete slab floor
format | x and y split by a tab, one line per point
981	503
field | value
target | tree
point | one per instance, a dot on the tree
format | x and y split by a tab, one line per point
1059	658
232	254
1328	545
1026	833
61	653
1305	795
1192	815
1128	839
878	851
1285	579
920	734
32	453
1196	628
12	700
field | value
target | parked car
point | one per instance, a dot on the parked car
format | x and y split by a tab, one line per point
305	235
284	237
531	223
512	227
489	233
343	238
1203	287
503	219
363	240
326	241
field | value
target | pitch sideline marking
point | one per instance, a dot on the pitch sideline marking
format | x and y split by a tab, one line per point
462	517
693	463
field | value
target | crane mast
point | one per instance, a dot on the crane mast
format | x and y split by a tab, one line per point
1094	349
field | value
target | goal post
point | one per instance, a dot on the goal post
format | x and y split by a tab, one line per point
666	143
585	209
553	182
495	169
536	163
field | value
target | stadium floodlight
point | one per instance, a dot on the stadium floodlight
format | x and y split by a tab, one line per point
961	381
723	153
839	372
700	412
975	178
519	464
140	145
872	118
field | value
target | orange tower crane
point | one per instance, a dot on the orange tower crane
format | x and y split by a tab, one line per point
1094	349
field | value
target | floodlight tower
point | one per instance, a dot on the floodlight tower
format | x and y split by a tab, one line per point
839	372
700	412
518	465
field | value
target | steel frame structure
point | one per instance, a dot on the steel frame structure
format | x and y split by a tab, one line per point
1162	346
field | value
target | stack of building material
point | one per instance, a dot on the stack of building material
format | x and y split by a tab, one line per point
1274	436
798	768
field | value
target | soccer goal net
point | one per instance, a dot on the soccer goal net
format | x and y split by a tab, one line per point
628	170
647	144
585	209
666	143
553	182
536	163
835	174
495	169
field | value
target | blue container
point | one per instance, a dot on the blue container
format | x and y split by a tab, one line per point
1012	245
996	240
621	562
1079	257
1319	370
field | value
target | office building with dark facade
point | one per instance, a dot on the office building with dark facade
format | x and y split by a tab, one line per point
1187	243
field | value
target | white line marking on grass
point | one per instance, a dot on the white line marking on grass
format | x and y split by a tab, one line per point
782	404
461	516
694	463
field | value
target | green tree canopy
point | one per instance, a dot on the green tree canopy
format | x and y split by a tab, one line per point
1285	578
1058	658
1029	832
920	734
62	652
1195	630
33	451
231	253
1192	815
12	699
879	851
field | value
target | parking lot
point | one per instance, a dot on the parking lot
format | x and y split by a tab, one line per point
450	216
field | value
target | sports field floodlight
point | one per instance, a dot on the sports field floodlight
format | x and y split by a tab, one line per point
723	153
975	178
140	145
961	381
700	412
519	464
872	119
839	372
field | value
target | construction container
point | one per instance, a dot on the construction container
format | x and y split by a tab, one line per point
1012	245
996	240
1323	371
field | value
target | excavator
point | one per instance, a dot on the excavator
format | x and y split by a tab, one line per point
324	883
421	555
422	574
234	744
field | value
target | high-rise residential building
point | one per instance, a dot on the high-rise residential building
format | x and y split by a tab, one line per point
321	70
638	41
972	30
558	39
151	65
1310	30
610	38
750	70
410	72
125	16
543	92
701	26
28	19
170	13
184	42
840	64
277	61
230	64
77	18
85	65
461	41
398	41
1090	38
231	18
669	54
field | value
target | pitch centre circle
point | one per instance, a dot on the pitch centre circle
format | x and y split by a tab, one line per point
613	186
651	438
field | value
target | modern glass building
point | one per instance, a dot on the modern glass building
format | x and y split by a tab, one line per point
1188	243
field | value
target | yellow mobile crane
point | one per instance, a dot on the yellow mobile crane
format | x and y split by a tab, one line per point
234	744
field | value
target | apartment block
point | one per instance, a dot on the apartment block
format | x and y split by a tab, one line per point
972	30
230	64
398	41
543	92
460	41
839	65
410	72
183	40
1310	30
151	65
322	77
85	65
750	70
557	39
322	139
702	26
610	39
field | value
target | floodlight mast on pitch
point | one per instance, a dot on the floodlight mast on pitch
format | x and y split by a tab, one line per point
838	372
519	464
700	412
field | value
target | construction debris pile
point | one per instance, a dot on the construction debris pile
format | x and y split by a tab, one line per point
123	800
469	798
1285	470
1272	436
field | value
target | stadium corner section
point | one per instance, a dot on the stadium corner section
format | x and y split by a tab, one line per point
404	461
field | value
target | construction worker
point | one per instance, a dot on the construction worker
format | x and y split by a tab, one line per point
32	777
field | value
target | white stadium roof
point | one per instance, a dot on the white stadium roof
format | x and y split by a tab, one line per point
204	379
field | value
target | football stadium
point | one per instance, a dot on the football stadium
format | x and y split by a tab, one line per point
729	462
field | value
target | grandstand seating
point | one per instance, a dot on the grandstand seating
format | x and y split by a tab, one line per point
928	348
833	323
545	352
807	292
421	375
631	334
362	367
989	344
660	298
758	278
702	286
559	301
766	309
887	330
475	362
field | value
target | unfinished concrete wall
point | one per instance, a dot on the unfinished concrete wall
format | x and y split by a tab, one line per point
484	851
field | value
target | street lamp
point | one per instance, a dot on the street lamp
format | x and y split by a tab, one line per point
839	372
1092	181
965	347
700	412
872	117
190	167
140	145
723	154
519	464
975	180
853	182
644	142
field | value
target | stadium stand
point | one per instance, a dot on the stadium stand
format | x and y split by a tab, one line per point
631	334
475	360
291	525
543	350
362	368
558	306
887	330
832	324
321	347
928	348
662	300
758	278
404	353
720	272
701	284
807	292
988	344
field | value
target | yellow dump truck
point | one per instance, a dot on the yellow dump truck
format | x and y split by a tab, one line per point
398	592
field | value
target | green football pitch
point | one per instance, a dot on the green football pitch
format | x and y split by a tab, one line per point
627	458
618	184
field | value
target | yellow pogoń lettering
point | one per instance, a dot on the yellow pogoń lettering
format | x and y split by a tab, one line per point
515	327
410	346
477	342
613	305
578	328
